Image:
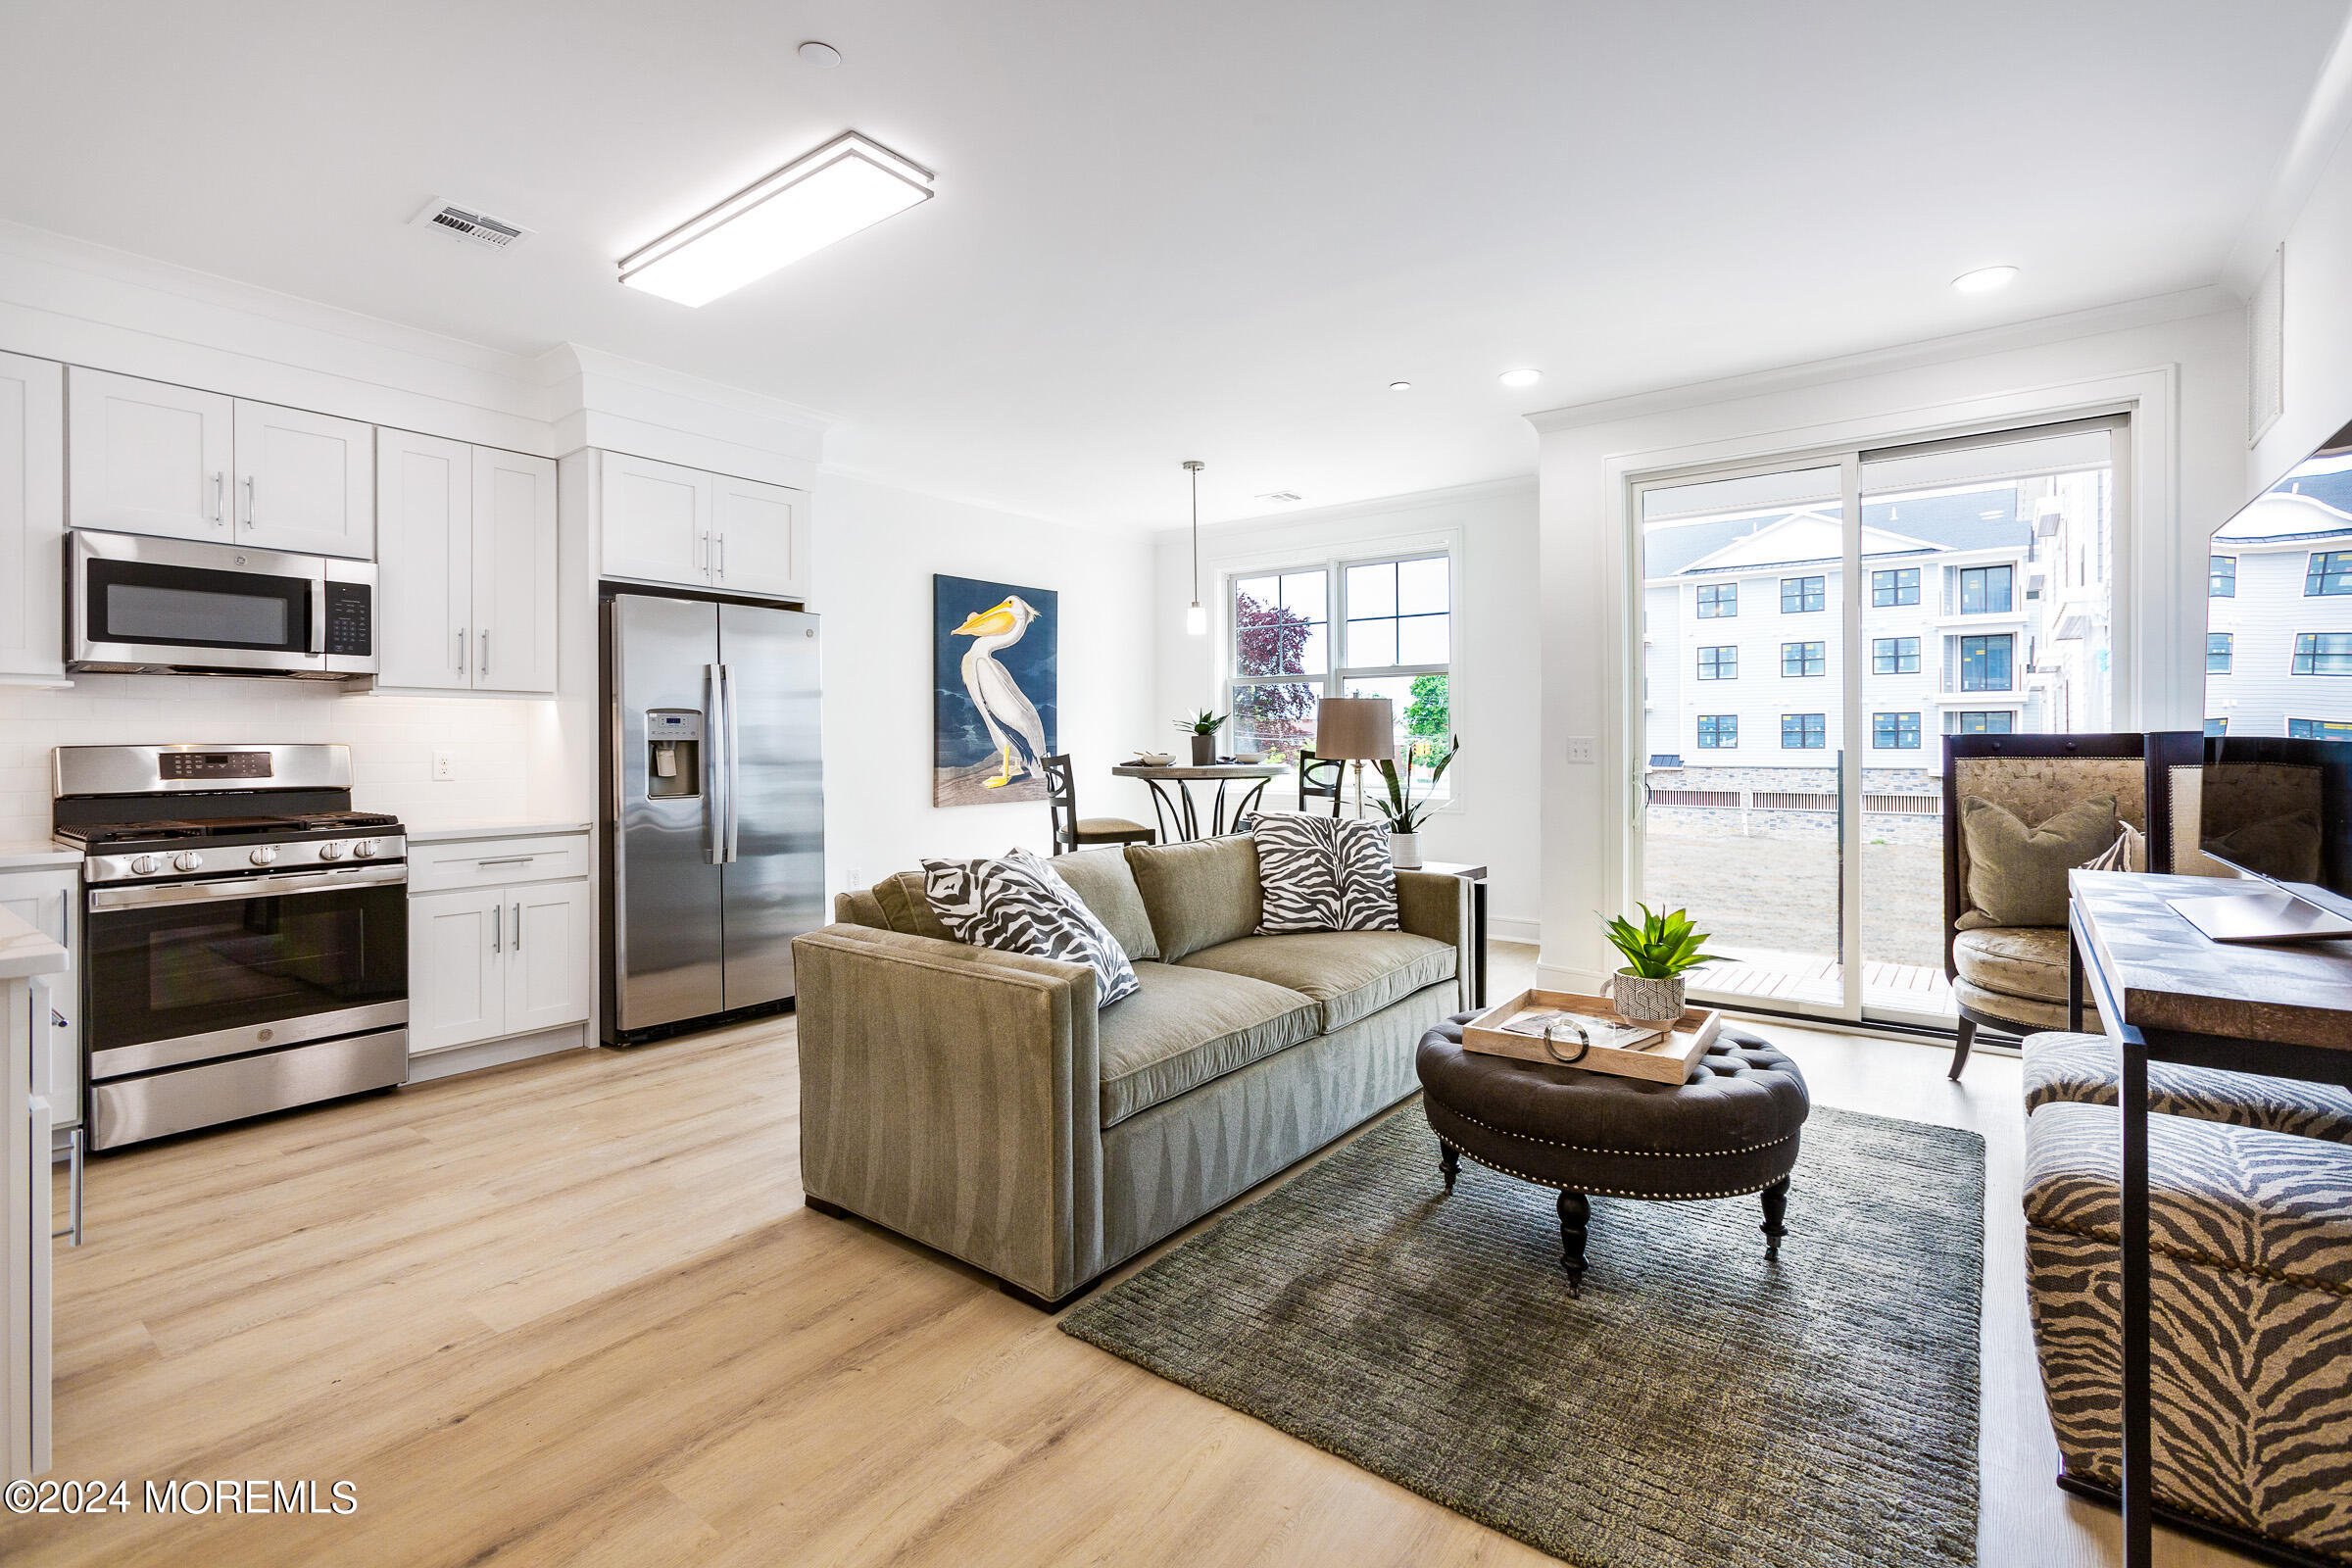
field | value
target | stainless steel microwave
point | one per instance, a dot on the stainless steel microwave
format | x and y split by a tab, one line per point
176	605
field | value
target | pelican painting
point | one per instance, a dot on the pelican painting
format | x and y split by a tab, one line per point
995	677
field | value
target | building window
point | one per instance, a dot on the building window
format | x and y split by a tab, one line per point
1719	664
1804	732
2216	727
2330	572
1899	586
1801	595
1895	656
2221	577
1718	731
1984	590
1346	628
1995	722
2217	653
1985	662
2322	652
1804	658
1718	600
2319	729
1894	732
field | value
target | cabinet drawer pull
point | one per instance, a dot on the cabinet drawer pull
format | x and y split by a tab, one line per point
249	501
220	500
517	945
508	859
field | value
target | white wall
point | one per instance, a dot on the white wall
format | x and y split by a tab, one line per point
2316	310
2181	361
877	549
1495	676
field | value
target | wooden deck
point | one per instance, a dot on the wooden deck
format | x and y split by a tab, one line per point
1768	977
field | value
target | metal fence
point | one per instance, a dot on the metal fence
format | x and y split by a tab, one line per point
1796	800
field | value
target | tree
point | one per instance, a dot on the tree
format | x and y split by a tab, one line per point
1428	715
1269	640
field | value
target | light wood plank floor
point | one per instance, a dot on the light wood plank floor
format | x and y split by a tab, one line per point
572	1311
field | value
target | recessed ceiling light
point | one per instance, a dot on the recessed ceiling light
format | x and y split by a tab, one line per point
1401	386
823	56
1520	378
848	185
1985	280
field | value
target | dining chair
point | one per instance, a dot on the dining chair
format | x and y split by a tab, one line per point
1318	777
1072	831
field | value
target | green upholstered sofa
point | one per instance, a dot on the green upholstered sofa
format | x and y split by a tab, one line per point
979	1102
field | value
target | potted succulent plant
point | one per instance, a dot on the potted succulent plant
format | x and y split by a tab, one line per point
1660	953
1400	808
1204	728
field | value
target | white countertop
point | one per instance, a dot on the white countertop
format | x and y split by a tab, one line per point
517	828
22	854
25	952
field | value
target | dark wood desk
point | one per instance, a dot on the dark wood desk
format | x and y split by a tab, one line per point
2167	993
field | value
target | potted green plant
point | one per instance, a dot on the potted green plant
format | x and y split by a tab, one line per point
1399	807
1204	729
1660	953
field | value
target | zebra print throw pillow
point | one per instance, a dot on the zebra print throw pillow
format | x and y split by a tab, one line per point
1323	873
1018	904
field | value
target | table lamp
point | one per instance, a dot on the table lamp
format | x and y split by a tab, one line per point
1358	731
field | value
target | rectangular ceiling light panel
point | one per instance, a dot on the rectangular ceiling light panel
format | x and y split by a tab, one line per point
848	185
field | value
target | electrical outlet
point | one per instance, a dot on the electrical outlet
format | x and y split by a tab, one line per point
1583	749
445	766
852	877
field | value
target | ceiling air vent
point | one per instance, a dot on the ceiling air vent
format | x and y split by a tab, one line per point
475	229
1282	497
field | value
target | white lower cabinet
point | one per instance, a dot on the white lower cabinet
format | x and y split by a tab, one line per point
489	959
44	897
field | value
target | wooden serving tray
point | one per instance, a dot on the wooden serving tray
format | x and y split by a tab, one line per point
1665	1061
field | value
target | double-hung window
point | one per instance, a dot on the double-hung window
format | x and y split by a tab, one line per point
1895	656
1995	722
1382	628
1896	586
1718	731
2322	652
1985	590
1718	600
1986	662
1719	664
1804	658
1804	732
2329	571
1894	732
2217	653
1804	595
2221	577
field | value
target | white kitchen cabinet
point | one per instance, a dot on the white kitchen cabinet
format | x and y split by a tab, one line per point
656	520
149	458
33	516
513	572
425	594
500	938
46	899
469	565
457	977
760	539
306	482
28	963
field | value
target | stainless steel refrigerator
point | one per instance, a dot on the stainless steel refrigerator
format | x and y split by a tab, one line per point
714	837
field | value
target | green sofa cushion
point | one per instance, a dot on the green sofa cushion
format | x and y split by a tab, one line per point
1103	881
1183	1027
906	909
1199	892
2016	873
1353	974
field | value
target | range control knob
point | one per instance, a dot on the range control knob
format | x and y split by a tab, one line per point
145	865
263	855
365	849
188	860
331	850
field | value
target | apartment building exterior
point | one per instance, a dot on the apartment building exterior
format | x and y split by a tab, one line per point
2278	630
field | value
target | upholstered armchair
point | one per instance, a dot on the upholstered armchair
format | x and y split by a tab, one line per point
2012	976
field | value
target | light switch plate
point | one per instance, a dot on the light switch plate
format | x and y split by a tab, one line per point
445	766
1583	749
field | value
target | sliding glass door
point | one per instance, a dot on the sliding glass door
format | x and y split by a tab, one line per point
1809	635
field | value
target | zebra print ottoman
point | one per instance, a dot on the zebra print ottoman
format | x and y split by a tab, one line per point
2251	1317
2084	1067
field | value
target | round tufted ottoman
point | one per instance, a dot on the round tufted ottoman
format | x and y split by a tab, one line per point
1729	1128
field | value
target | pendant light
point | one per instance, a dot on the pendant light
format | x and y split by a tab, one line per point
1196	620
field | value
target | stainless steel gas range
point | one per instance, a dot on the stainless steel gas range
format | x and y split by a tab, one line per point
244	932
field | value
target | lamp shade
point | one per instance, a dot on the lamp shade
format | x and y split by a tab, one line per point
1359	728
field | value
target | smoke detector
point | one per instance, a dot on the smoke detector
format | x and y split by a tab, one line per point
473	227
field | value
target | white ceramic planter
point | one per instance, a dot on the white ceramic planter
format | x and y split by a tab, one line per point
1639	1000
1404	850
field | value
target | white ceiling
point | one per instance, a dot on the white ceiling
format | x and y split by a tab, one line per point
1217	228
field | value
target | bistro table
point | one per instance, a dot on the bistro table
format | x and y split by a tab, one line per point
1178	818
2166	992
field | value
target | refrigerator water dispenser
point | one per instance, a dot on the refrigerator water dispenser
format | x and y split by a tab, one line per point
673	744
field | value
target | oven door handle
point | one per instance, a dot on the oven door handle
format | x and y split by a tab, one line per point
245	887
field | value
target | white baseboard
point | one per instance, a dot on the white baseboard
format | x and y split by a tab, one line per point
455	1060
1529	933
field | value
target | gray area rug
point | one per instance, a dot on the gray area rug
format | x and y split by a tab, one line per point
1699	1405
